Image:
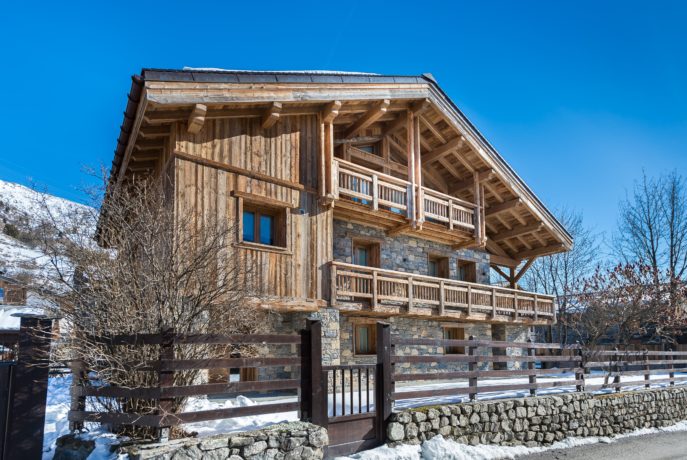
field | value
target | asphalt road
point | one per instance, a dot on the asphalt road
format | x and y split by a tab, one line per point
661	446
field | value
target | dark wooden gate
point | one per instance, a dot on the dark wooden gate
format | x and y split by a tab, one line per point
351	401
23	388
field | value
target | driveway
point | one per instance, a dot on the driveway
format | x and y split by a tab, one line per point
660	446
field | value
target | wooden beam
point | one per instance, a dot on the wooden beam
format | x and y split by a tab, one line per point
542	251
154	132
524	269
359	140
197	118
501	272
443	150
503	207
272	115
403	228
399	122
503	261
368	118
483	175
331	111
432	129
149	144
517	231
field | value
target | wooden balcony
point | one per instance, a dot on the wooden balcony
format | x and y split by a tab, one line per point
386	292
389	201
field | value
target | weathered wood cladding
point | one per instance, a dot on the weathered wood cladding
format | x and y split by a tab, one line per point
288	151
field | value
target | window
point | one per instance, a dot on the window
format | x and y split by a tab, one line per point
2	294
437	266
264	225
454	333
366	253
365	339
467	271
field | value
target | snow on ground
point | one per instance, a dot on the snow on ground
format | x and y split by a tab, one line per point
439	448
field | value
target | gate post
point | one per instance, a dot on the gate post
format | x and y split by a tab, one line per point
383	384
313	396
165	379
30	389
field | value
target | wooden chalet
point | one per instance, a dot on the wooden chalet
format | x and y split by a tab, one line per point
359	197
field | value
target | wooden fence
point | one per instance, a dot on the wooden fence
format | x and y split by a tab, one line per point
355	401
166	392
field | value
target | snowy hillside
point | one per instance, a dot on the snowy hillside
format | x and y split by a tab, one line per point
21	212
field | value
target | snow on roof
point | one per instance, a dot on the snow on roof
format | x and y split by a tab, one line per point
294	72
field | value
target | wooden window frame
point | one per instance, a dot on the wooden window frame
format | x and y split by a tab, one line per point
443	265
372	337
460	263
453	350
374	248
281	225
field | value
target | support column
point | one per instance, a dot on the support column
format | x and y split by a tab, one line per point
410	148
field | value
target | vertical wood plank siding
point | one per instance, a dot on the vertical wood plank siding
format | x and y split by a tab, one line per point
288	150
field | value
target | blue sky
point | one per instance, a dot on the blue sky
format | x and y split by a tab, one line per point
578	96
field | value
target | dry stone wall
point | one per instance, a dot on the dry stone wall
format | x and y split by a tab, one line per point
289	441
538	421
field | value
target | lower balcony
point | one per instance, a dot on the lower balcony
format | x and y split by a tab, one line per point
381	292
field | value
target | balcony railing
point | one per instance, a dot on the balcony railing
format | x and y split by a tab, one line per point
351	283
376	190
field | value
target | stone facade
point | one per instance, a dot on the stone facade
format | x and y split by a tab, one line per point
289	441
405	253
541	420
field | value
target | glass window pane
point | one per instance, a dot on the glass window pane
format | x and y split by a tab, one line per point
249	226
433	268
363	340
361	256
267	229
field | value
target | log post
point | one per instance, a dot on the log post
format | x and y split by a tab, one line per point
374	289
647	370
78	402
165	379
375	192
332	289
472	367
383	384
579	372
532	353
671	374
616	370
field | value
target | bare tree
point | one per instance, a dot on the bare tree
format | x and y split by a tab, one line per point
652	229
563	275
157	268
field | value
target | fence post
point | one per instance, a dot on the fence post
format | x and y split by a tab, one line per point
316	386
579	372
616	369
472	367
671	374
165	379
78	402
532	353
383	387
647	369
30	389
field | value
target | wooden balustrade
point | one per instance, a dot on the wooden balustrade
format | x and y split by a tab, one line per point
377	190
355	282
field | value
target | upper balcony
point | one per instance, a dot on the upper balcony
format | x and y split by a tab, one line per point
387	292
369	196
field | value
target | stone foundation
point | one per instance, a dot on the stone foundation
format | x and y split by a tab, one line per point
289	441
537	421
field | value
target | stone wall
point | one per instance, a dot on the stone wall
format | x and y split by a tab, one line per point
541	420
289	441
405	253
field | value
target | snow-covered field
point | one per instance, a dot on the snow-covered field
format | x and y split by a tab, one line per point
56	423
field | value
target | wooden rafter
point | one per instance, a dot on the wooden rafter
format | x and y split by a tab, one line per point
517	231
469	183
368	118
503	207
439	152
154	132
271	115
400	121
197	118
542	251
149	144
524	269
